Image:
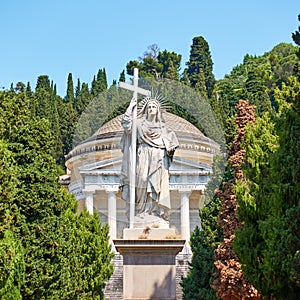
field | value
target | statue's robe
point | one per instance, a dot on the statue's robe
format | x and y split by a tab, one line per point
155	149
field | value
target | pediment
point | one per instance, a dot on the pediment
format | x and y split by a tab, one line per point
178	166
113	165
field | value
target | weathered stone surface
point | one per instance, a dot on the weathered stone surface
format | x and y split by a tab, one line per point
114	287
149	268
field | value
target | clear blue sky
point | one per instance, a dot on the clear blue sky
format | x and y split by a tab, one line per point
61	36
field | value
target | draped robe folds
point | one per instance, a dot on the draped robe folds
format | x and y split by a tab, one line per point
155	149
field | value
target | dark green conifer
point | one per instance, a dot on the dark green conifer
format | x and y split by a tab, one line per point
122	76
43	97
201	61
170	64
70	89
43	82
83	98
78	88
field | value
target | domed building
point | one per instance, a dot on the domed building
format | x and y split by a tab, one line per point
94	167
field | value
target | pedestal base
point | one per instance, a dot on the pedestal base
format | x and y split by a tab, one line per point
149	268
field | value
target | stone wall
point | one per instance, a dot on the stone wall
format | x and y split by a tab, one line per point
114	287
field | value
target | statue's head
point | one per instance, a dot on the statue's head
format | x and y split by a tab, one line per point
150	106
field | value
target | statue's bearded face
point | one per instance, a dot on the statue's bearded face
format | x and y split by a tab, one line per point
152	108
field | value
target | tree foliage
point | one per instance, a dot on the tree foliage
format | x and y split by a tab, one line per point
12	266
157	64
255	80
200	67
230	281
269	199
204	240
44	225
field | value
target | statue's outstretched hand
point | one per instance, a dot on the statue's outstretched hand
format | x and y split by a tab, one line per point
132	103
130	107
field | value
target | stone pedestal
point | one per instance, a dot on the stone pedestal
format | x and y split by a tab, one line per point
149	267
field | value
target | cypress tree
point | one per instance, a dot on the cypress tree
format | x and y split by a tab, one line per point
94	86
70	89
69	117
103	80
54	90
122	76
184	78
56	130
83	98
43	97
99	83
28	89
200	85
201	61
256	93
78	88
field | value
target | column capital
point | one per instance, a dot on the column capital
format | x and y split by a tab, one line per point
88	192
112	190
185	191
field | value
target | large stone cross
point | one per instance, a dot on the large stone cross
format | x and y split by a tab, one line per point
136	90
135	87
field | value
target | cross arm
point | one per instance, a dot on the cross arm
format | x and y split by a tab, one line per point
132	88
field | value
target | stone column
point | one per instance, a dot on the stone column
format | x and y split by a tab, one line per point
185	214
89	202
112	213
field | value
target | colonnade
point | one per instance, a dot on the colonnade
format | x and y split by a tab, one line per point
112	211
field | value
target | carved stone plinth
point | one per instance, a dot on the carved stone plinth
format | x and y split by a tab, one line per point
149	268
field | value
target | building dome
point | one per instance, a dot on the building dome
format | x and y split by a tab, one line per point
173	123
109	134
